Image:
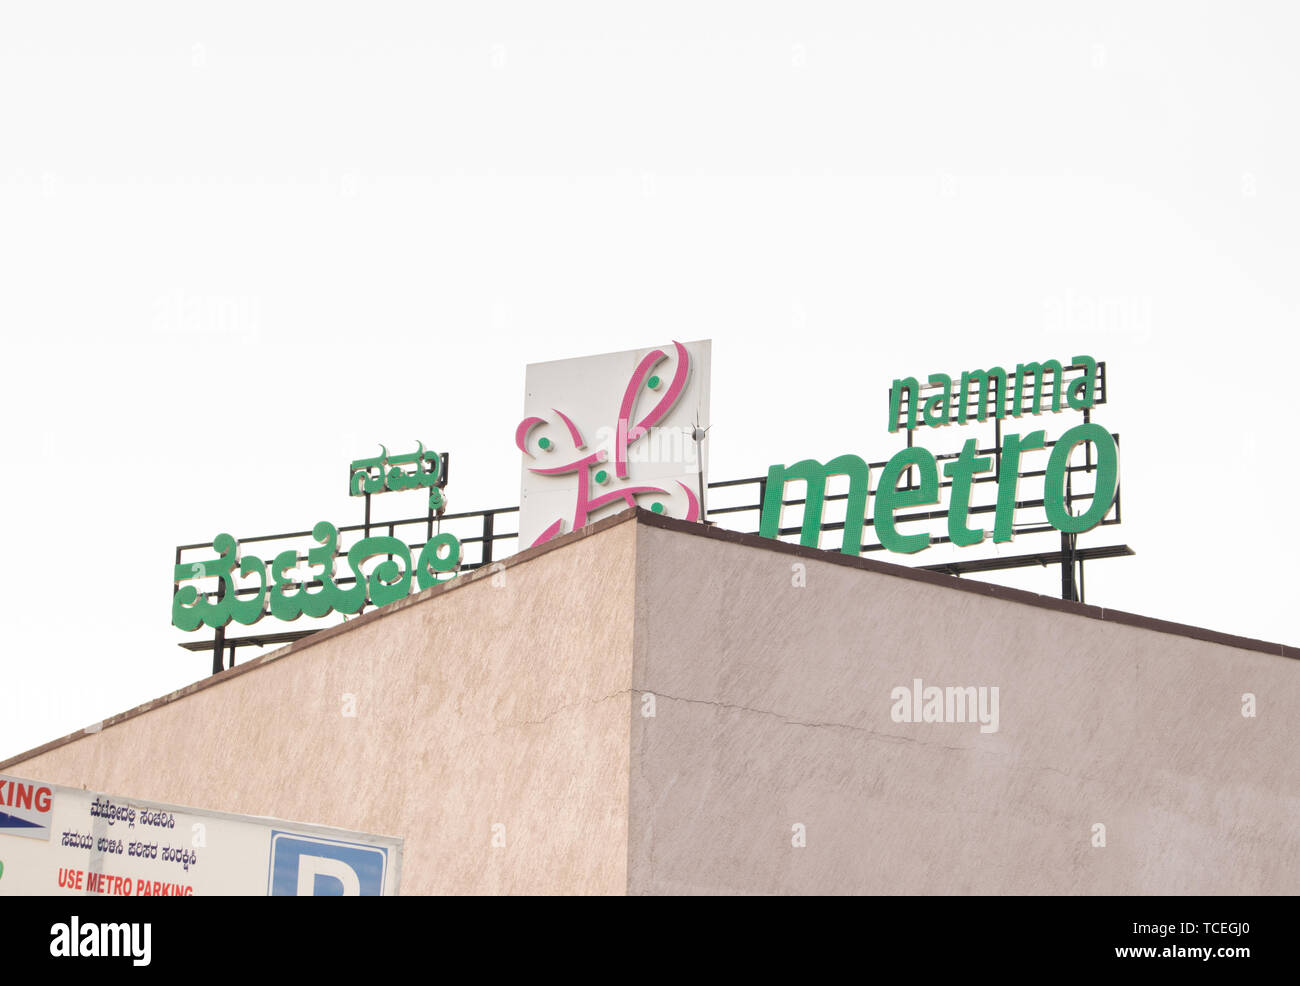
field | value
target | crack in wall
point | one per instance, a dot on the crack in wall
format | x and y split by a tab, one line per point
568	707
731	707
889	737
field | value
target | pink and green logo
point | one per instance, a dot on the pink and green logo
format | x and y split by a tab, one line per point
604	469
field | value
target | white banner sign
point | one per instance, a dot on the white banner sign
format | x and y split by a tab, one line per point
603	433
61	840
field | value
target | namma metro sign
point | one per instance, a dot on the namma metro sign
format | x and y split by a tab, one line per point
1034	388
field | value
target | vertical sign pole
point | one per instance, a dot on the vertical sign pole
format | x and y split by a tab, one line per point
909	468
219	642
699	461
1067	568
1067	547
1087	448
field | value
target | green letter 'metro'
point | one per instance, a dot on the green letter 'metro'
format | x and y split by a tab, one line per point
889	498
816	474
1058	514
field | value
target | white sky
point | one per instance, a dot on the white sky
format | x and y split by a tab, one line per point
240	247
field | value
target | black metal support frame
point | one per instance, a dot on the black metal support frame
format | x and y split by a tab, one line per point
1068	556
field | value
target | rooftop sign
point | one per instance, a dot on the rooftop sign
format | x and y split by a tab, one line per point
247	588
388	476
995	389
1035	388
603	433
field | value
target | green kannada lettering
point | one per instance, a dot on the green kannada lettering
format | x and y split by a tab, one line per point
190	608
389	476
435	561
347	601
289	596
361	481
285	594
249	611
286	605
388	581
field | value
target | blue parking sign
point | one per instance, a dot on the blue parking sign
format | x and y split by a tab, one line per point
308	866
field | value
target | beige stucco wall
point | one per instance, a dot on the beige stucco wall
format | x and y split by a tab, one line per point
519	700
772	707
503	701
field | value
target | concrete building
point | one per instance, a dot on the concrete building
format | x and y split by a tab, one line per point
649	706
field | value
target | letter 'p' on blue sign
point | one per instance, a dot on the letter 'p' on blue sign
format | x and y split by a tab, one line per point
306	866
